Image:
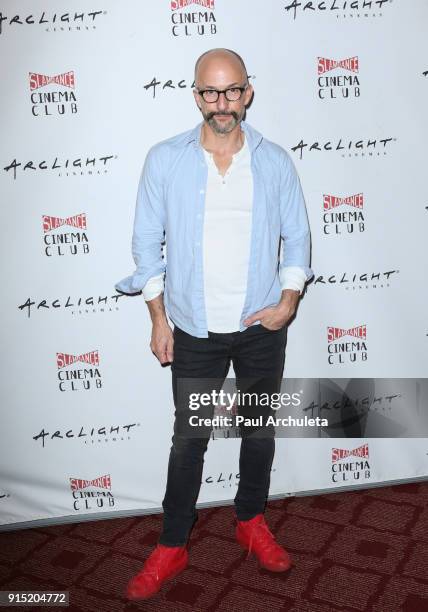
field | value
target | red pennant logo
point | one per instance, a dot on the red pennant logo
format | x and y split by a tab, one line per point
65	359
102	482
50	223
179	4
342	453
331	201
66	79
334	333
325	64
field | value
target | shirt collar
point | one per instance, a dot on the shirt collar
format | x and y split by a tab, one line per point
252	136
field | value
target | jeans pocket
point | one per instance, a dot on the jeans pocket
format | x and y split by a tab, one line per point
271	330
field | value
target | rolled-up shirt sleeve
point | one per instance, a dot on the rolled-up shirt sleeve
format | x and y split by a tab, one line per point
149	226
153	287
295	232
292	277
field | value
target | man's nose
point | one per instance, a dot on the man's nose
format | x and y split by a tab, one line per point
222	101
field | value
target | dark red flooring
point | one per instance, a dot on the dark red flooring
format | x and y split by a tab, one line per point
353	551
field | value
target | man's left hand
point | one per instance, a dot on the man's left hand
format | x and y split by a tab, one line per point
275	317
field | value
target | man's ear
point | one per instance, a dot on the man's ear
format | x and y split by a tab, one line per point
249	91
195	95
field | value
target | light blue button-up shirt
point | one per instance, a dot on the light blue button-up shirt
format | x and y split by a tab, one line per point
170	206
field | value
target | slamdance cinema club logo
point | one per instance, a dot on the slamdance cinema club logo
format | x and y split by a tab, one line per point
193	17
344	351
350	465
92	494
339	221
65	242
345	85
78	378
58	99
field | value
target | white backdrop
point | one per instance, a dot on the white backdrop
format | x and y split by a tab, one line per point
87	411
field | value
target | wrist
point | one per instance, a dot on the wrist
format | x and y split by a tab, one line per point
159	320
289	296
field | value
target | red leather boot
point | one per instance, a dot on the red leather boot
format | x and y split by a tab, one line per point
163	564
255	536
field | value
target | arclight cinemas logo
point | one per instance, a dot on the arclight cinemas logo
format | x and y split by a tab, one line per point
78	304
338	85
340	351
87	434
365	147
186	21
340	9
353	281
65	242
51	22
78	166
78	378
348	221
156	86
58	100
92	494
223	479
349	465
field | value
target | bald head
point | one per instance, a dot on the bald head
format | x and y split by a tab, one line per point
219	60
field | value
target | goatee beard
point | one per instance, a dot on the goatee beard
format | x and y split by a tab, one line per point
222	129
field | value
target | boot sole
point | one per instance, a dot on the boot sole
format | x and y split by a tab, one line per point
170	577
270	569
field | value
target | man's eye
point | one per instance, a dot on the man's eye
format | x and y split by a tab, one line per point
234	90
210	92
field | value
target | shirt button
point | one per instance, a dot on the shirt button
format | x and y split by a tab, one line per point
199	216
201	191
198	244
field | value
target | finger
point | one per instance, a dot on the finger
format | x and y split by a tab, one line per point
170	350
159	351
164	352
164	357
254	317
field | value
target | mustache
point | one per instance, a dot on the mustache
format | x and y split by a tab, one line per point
231	114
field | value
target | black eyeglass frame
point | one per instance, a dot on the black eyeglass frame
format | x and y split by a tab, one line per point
221	91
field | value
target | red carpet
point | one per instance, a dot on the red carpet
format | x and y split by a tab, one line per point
353	551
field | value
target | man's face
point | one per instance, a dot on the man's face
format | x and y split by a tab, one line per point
220	72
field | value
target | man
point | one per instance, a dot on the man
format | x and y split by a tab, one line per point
222	195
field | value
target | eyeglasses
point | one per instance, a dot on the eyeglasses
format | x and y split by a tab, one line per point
212	95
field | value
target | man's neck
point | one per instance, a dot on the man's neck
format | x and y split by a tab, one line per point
222	144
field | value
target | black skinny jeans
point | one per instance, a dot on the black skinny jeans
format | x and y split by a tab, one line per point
257	355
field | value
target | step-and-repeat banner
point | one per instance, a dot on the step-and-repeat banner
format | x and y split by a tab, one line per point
86	89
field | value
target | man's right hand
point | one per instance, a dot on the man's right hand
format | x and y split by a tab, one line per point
162	342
